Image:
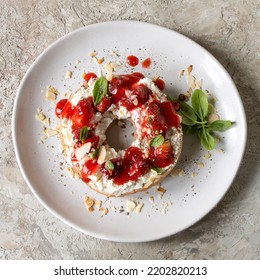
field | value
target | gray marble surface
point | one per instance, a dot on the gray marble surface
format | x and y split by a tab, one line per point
229	30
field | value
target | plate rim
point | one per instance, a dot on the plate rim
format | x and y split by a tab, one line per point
70	223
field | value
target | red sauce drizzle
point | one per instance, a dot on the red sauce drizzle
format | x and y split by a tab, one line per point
132	60
160	84
146	63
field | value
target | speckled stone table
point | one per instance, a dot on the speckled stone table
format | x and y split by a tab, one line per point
229	30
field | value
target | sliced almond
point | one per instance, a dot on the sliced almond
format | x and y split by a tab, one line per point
100	60
40	117
189	69
68	75
161	190
104	210
98	203
109	76
130	205
92	54
135	102
181	73
51	132
102	155
51	94
177	172
82	151
139	207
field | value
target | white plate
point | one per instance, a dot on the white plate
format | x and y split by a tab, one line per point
189	197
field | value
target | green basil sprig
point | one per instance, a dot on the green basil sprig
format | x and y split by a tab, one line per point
157	141
159	170
109	165
195	120
83	135
99	89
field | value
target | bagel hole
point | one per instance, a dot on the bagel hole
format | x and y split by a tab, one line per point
120	134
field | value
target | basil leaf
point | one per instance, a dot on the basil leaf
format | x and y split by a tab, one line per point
169	97
206	139
157	169
83	135
99	89
200	103
95	153
109	165
187	114
220	125
157	141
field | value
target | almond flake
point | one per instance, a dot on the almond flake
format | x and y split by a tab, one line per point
51	94
207	156
92	54
51	132
100	60
71	172
181	73
161	190
104	210
109	76
177	172
102	155
130	205
98	203
40	117
189	69
82	151
135	102
68	75
139	207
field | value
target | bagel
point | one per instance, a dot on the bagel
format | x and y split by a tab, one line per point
85	117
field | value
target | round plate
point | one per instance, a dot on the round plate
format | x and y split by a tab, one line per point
206	176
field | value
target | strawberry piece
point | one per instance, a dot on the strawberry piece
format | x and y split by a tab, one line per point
155	119
169	114
110	174
83	113
160	84
161	156
104	104
134	165
141	94
89	168
59	107
67	111
133	154
88	76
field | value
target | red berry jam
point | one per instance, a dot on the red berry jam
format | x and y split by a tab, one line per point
104	104
169	113
59	107
132	60
134	165
83	113
89	168
88	76
160	84
161	156
146	63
